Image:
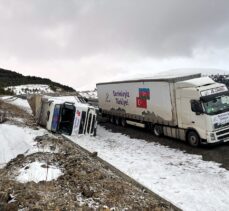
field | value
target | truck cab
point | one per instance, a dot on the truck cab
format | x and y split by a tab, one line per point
203	110
71	118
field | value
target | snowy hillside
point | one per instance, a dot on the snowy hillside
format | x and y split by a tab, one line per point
89	94
189	71
30	89
22	103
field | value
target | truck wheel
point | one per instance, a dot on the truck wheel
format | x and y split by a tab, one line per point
158	130
111	119
117	120
193	139
123	122
95	132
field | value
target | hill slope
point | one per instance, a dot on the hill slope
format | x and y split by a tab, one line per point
11	78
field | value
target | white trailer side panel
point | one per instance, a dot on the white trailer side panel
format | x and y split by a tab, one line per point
150	101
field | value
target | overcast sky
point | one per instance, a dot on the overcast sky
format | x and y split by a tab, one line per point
82	42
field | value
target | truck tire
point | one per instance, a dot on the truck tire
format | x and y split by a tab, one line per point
95	132
123	122
112	119
158	130
117	120
193	139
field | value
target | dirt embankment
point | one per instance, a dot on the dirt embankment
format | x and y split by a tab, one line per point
85	183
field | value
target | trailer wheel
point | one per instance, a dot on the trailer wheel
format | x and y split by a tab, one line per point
158	130
111	119
123	122
193	139
95	132
117	120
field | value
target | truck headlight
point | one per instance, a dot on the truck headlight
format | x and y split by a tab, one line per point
212	136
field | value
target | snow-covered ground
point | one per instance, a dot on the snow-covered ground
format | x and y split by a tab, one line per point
30	89
37	171
16	140
21	103
183	179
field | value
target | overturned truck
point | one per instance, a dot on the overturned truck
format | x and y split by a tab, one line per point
67	115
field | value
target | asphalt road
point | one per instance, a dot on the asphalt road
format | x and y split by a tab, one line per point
217	153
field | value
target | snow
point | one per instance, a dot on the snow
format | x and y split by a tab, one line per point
89	94
189	71
63	99
22	103
36	172
30	89
184	179
16	140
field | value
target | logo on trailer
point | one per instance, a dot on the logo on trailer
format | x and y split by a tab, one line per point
78	113
144	95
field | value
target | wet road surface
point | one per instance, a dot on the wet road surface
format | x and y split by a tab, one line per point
217	153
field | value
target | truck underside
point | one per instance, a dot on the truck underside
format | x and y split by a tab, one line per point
159	128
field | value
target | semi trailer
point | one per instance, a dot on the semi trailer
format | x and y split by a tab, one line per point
66	115
190	108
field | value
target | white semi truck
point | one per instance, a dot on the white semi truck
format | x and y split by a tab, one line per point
190	108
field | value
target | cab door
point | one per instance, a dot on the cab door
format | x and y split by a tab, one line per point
191	119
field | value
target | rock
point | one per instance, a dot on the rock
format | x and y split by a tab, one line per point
44	166
8	207
87	192
11	207
20	156
36	209
2	206
52	148
4	197
94	154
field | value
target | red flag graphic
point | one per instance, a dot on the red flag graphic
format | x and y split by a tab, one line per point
141	103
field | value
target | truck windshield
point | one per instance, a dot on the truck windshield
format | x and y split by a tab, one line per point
217	105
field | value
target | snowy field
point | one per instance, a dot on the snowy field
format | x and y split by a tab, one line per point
184	179
30	89
16	140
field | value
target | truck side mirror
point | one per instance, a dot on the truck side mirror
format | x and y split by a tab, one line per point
196	106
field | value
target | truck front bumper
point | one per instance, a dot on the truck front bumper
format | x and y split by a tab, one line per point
218	136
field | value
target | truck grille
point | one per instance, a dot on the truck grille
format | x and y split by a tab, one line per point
223	135
222	132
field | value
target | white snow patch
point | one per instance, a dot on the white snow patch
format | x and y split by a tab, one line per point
35	172
17	119
15	140
21	103
30	89
184	179
86	201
